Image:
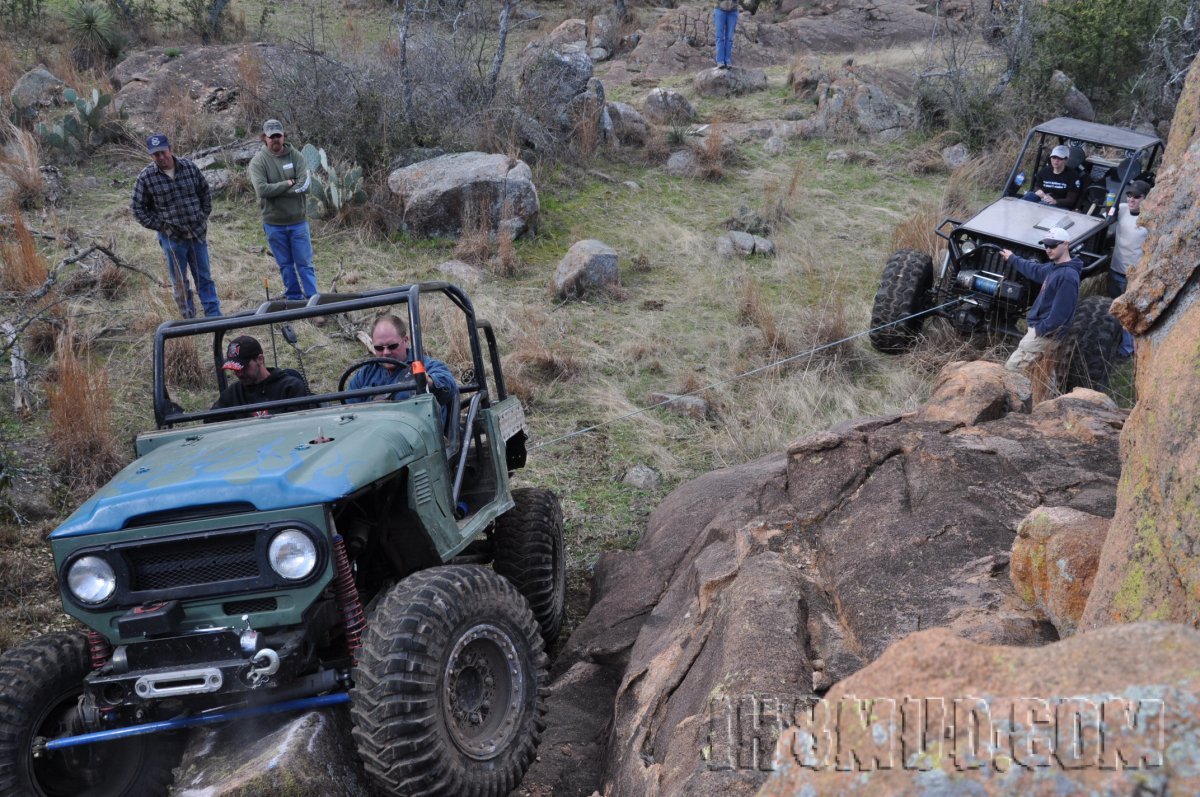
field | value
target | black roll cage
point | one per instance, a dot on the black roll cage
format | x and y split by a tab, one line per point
277	311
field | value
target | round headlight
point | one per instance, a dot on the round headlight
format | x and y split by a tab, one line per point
91	579
292	554
968	246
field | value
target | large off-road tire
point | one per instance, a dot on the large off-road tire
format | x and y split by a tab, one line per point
40	682
1089	352
528	544
903	290
450	686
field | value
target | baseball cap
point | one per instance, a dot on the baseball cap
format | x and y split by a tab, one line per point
241	350
1138	188
272	126
1060	151
1055	235
157	143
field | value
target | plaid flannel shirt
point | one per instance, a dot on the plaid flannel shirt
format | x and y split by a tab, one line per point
177	208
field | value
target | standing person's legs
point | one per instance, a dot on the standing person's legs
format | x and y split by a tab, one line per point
302	256
202	275
1117	284
177	258
280	243
724	23
1029	351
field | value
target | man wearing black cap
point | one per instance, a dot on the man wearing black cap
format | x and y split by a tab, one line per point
1049	319
255	381
1055	184
280	177
171	197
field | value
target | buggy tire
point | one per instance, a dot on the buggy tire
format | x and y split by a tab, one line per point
1090	349
903	291
528	545
40	682
450	686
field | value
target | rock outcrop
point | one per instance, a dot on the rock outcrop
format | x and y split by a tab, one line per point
1112	712
587	266
1054	562
783	575
442	195
1150	565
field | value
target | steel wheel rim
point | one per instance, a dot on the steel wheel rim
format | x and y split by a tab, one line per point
483	690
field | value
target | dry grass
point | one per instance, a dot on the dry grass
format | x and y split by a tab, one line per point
24	267
182	365
711	156
917	231
81	436
753	310
252	88
475	243
185	124
19	163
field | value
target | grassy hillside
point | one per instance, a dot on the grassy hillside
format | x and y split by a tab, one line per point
682	319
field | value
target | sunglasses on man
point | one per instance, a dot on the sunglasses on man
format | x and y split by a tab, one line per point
386	347
1051	245
274	136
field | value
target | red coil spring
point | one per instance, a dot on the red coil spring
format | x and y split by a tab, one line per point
347	597
99	648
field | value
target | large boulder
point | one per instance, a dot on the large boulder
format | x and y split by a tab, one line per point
1054	562
629	126
272	755
783	575
36	90
1107	713
206	77
1150	565
729	82
557	89
857	102
441	194
667	107
1074	103
588	265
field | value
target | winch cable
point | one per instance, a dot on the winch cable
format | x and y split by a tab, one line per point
743	375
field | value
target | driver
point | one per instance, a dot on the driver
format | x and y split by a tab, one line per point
389	338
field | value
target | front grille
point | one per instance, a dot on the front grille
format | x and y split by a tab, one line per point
191	562
237	608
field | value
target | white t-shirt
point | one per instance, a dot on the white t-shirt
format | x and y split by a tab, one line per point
1130	237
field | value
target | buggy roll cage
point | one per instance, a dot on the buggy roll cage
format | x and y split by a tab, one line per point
275	311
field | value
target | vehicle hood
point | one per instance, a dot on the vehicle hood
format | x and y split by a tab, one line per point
1026	223
270	463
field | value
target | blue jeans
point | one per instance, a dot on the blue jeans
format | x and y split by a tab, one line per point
186	255
1117	284
724	24
292	248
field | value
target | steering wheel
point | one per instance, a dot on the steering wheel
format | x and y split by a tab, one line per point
1096	195
407	385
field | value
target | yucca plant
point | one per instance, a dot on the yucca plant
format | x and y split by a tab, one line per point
94	31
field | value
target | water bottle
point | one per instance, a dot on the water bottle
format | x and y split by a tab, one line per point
1020	179
1110	199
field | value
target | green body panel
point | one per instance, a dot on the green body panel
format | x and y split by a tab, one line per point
207	613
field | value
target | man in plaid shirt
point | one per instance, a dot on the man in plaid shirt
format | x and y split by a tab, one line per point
171	197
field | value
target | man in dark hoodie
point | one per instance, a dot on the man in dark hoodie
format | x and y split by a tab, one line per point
255	381
1050	317
280	178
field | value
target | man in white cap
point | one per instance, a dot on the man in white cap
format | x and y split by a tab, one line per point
1055	184
280	178
1049	318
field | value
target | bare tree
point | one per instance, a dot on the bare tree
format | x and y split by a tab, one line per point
621	12
498	57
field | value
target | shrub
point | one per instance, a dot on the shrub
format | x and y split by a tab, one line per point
20	163
81	437
24	269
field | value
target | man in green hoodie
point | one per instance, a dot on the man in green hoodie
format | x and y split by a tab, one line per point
280	178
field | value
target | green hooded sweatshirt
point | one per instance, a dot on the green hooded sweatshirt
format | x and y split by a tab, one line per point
280	203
